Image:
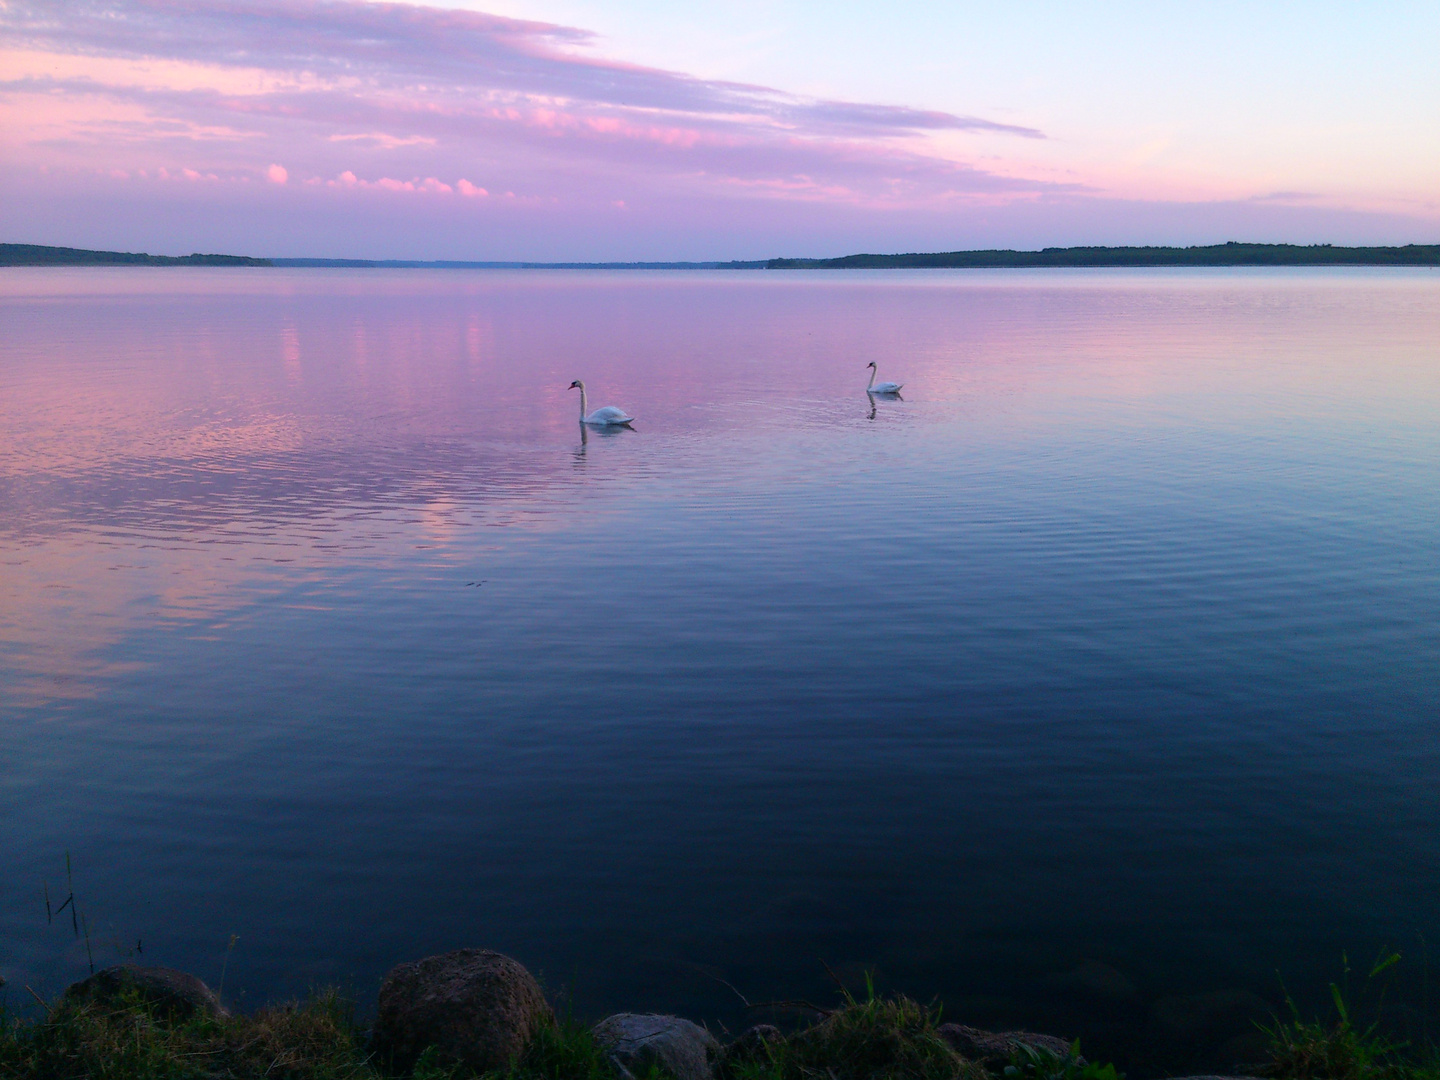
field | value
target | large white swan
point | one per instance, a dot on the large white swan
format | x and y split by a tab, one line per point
608	416
880	388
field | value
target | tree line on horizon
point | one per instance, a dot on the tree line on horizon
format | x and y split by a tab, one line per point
1228	254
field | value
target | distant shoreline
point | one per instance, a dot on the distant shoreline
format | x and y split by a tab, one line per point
1220	255
1230	254
39	255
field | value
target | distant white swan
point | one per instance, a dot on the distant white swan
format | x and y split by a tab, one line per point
880	388
609	416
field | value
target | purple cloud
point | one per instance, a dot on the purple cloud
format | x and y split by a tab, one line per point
348	128
407	47
465	86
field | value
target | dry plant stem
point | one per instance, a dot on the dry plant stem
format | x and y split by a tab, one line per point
43	1004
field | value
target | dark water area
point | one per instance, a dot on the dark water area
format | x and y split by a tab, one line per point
1090	687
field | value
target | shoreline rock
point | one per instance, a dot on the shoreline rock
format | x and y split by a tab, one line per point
174	993
994	1048
478	1008
637	1041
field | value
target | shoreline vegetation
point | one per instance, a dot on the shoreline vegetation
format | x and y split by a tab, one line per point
1220	255
475	1014
39	255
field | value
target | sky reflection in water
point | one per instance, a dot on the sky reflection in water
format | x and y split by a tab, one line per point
1114	642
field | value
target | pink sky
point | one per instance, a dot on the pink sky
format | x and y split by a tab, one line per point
296	127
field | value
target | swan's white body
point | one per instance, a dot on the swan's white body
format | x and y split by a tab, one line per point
607	416
880	388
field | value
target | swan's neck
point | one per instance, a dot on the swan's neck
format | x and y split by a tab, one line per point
873	373
582	402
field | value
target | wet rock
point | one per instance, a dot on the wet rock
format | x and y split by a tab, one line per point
476	1007
169	992
635	1042
1093	979
1209	1016
995	1048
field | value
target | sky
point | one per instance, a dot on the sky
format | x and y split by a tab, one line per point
635	129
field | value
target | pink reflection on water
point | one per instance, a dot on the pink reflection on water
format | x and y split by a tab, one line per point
180	445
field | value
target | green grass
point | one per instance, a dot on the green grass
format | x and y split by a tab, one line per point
1337	1050
1337	1047
313	1040
563	1051
1038	1063
874	1038
877	1038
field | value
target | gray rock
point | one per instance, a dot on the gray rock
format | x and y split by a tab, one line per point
635	1042
169	992
995	1048
476	1007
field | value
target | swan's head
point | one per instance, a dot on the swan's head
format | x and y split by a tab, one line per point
576	385
872	364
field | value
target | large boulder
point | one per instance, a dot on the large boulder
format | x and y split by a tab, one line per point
477	1008
995	1048
636	1041
169	992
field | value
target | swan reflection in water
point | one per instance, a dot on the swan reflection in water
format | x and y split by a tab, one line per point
873	396
890	391
606	431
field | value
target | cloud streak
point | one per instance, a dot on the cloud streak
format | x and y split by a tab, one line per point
405	47
292	110
524	95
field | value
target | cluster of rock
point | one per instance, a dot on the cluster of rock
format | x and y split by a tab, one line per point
480	1009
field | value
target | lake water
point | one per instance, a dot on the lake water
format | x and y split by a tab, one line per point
1098	673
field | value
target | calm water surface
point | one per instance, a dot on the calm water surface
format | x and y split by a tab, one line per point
1098	673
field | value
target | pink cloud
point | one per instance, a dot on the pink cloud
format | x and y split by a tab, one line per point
697	151
459	85
429	185
404	46
405	103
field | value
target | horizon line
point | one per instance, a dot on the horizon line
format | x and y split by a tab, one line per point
1229	253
